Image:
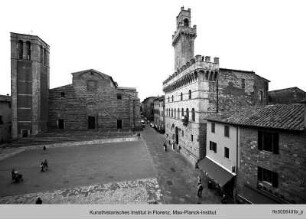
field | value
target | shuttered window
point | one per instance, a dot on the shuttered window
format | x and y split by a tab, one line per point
268	176
268	141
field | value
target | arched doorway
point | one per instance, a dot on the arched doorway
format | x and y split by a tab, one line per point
176	135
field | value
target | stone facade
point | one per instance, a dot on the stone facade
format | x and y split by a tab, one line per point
159	113
288	95
93	101
289	165
201	88
148	108
30	84
5	119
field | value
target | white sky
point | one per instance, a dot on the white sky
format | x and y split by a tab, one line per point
130	40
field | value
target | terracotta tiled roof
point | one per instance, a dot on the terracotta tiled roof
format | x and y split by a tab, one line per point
279	116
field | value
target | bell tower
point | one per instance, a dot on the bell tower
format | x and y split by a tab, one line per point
183	38
30	84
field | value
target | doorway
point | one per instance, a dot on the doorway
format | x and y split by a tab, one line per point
91	122
61	124
176	135
24	133
119	124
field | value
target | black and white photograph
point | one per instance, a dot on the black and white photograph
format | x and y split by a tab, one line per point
153	108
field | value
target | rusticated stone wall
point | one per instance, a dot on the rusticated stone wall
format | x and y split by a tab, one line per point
289	164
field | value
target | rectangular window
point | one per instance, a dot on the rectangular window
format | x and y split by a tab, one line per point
268	141
213	127
119	96
261	96
226	131
191	137
1	121
213	146
226	152
62	94
243	83
267	176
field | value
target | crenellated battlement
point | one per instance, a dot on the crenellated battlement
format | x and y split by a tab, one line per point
182	30
198	62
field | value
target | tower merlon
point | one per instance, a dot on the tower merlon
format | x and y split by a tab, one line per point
197	62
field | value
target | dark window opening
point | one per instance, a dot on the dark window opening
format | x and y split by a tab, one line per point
213	127
42	55
191	137
213	146
24	133
119	96
91	122
1	121
172	98
119	124
45	57
20	49
268	176
226	152
28	50
260	96
61	124
189	94
226	131
186	22
181	96
62	94
193	114
182	111
187	113
243	83
268	141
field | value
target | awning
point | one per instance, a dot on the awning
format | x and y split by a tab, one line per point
215	172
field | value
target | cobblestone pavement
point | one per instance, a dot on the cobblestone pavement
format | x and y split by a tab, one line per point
141	191
176	176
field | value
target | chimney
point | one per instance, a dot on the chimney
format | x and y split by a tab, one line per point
207	58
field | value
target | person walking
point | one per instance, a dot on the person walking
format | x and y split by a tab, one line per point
165	145
200	190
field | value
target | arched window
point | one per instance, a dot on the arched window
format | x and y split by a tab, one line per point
178	113
172	98
187	113
186	22
20	49
45	57
28	50
174	113
181	96
171	112
41	54
193	114
189	94
182	111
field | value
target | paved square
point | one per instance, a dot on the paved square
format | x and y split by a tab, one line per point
107	173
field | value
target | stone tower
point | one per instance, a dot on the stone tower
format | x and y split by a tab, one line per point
29	84
183	39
